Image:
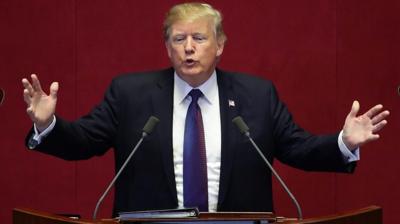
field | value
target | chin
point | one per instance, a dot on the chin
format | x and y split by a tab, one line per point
190	72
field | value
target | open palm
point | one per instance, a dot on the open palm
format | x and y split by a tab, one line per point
359	130
40	106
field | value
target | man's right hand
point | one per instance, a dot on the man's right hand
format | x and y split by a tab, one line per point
40	106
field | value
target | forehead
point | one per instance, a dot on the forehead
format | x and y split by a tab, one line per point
200	25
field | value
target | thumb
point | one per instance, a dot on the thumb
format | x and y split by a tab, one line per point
354	109
54	89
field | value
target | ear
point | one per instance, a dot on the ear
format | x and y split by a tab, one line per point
168	46
220	46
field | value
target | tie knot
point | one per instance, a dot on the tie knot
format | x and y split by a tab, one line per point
195	94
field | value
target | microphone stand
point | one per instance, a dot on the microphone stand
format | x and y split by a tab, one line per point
148	128
244	129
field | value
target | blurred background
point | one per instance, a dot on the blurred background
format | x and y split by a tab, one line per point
321	55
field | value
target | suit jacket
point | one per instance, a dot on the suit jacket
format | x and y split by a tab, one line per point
148	182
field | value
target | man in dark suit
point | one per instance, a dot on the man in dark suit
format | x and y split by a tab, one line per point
237	178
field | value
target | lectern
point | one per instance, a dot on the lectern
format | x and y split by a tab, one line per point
368	215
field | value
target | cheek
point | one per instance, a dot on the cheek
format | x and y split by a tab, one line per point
175	57
172	55
208	54
175	53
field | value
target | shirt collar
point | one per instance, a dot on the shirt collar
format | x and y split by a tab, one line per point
209	88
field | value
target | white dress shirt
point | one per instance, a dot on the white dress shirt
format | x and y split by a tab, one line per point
209	106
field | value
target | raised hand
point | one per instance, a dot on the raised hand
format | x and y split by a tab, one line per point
359	130
40	106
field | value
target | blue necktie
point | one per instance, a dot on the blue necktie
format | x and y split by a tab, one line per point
195	187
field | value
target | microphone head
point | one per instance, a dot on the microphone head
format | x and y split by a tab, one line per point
240	124
1	96
150	124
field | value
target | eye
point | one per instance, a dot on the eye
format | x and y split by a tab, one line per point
199	37
178	39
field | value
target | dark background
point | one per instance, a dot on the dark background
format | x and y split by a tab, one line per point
321	54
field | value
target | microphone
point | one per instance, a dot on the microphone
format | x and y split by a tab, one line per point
244	129
147	129
2	93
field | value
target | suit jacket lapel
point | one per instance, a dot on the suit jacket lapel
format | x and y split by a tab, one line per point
163	107
229	108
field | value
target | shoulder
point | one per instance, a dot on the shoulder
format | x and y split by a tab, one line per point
139	84
244	81
143	78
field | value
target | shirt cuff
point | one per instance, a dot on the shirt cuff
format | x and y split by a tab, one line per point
348	155
39	136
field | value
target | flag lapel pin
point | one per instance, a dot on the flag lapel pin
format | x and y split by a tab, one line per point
231	103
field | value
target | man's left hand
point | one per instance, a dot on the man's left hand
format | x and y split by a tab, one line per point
359	130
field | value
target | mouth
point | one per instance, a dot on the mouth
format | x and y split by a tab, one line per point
189	62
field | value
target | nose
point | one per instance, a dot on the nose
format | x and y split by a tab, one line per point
189	47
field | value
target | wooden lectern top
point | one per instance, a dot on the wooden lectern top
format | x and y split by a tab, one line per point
368	215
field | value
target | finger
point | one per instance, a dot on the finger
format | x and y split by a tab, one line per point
29	110
35	83
54	89
379	126
378	118
373	137
27	97
27	85
371	112
354	109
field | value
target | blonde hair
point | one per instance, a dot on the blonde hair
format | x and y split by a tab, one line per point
191	12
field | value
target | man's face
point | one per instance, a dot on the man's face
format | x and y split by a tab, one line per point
194	50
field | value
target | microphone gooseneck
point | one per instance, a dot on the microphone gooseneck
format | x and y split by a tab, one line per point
244	129
147	129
